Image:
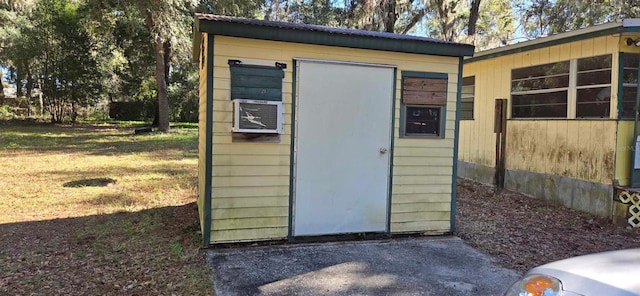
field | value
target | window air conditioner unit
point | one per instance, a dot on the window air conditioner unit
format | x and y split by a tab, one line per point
255	116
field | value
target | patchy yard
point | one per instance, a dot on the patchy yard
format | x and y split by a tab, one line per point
97	210
523	232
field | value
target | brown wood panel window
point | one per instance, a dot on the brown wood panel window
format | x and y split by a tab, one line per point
424	91
423	109
467	96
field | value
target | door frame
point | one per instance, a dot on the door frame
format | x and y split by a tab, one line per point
294	136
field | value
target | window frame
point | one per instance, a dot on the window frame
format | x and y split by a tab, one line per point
571	89
403	107
441	122
626	85
594	86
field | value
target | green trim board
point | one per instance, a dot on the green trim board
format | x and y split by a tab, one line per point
294	81
309	34
456	145
620	83
434	75
391	152
635	173
208	190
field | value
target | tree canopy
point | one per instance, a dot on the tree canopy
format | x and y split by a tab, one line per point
63	56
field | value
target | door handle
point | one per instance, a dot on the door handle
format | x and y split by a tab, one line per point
383	150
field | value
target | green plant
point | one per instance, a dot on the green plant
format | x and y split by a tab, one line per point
176	249
6	112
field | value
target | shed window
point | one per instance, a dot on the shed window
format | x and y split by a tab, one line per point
629	78
423	105
422	120
255	82
593	86
540	91
467	96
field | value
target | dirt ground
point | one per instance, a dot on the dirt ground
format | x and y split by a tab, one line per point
522	232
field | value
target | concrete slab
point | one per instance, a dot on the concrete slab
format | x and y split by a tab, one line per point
413	266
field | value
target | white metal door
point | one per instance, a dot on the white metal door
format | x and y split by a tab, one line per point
343	135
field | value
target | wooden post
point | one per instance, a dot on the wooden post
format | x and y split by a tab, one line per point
500	129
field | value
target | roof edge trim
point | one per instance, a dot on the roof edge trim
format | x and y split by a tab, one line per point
236	29
581	34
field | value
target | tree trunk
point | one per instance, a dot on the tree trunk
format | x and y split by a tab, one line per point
74	112
166	46
388	12
40	99
1	88
29	90
19	75
161	81
163	102
473	18
417	16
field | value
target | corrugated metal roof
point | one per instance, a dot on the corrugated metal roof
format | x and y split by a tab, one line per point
616	27
316	28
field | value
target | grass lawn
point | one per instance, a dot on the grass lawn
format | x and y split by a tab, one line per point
97	210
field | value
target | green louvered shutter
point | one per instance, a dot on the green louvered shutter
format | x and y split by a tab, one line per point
256	82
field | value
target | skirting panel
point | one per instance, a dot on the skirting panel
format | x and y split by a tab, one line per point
590	197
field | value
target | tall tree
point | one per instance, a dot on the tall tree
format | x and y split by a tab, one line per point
544	17
394	16
165	20
65	65
496	24
474	13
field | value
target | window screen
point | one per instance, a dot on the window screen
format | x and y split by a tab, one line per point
467	96
593	87
629	78
540	91
422	120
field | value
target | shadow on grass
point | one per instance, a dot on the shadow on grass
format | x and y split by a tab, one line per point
94	182
94	140
166	170
154	251
112	199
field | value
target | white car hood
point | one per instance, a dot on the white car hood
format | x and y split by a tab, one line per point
615	273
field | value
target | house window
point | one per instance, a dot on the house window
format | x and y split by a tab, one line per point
593	87
629	78
468	93
423	108
540	91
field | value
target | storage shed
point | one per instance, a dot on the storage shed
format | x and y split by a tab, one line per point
569	104
312	131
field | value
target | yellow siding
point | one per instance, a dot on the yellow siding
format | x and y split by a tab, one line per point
202	113
625	138
624	144
582	149
572	148
251	180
